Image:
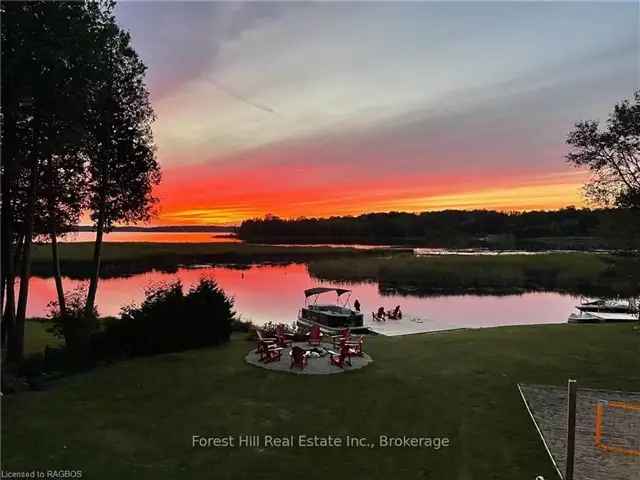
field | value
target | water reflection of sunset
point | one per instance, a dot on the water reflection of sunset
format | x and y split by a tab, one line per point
275	293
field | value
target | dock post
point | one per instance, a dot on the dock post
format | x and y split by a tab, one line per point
571	429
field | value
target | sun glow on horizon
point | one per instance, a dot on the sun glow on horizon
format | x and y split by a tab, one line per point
507	199
325	109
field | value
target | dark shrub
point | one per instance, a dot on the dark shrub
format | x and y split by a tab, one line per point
243	326
170	321
75	326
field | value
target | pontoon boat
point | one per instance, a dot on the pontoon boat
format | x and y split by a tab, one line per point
606	310
329	316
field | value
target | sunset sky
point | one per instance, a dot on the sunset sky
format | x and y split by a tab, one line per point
343	108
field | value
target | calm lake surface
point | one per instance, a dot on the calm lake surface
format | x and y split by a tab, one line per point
274	293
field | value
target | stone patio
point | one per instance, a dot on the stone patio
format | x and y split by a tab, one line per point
315	366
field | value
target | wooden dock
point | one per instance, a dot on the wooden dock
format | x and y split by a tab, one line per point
406	326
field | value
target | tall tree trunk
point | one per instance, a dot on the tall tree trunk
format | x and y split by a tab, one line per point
97	255
16	346
4	262
7	272
8	218
3	279
5	242
55	258
9	313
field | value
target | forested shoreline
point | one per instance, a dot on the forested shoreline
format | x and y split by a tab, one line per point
568	228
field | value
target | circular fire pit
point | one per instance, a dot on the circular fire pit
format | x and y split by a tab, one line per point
317	361
316	352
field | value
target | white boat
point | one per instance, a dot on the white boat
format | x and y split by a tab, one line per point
606	310
609	305
329	316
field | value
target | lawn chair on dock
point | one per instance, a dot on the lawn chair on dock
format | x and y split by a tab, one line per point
395	314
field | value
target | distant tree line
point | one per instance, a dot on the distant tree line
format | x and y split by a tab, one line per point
447	228
611	154
76	137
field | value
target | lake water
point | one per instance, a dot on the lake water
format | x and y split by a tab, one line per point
274	293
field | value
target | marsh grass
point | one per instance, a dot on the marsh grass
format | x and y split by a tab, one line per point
578	273
124	258
591	274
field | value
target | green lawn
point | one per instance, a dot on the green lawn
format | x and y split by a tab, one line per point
135	419
37	338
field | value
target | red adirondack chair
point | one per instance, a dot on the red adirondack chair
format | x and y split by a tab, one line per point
283	338
271	353
263	341
298	358
267	348
337	340
342	358
315	335
355	345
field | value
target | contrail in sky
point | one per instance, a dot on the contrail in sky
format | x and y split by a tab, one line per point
246	100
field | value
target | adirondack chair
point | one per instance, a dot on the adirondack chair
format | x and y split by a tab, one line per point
355	345
337	340
283	338
270	353
298	358
262	341
315	336
342	358
264	347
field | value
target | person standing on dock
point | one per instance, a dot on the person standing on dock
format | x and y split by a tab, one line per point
356	305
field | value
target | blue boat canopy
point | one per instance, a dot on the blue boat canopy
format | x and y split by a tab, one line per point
319	290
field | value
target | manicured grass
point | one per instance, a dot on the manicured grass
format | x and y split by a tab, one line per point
580	273
37	337
135	419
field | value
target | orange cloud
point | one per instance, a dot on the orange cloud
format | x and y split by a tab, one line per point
210	195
